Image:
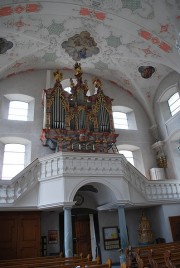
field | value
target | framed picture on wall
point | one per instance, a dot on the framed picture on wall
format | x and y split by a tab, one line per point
111	238
52	236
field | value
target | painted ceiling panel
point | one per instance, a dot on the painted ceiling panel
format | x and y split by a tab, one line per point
122	37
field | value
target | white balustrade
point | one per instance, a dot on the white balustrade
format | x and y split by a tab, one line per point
84	165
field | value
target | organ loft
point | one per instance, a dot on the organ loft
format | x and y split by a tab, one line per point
77	122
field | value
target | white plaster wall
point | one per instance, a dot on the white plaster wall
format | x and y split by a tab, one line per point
50	221
132	221
167	128
32	84
51	192
172	79
108	219
169	211
157	220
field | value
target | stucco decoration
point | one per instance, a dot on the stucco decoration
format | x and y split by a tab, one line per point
5	45
101	65
146	71
131	4
113	41
55	28
81	46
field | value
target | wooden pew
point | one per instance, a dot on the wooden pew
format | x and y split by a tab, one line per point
41	261
56	263
156	258
153	255
36	260
141	256
172	258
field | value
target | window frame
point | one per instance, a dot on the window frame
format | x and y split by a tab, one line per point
22	98
15	140
171	105
7	154
118	121
130	115
15	113
137	156
128	157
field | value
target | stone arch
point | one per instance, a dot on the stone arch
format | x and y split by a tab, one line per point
104	184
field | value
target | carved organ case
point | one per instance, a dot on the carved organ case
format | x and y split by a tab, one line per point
75	121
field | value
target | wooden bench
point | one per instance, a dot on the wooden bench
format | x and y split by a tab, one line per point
152	255
40	262
172	258
47	259
156	258
53	264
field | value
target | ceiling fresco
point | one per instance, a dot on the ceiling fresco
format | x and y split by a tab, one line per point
5	45
132	43
80	46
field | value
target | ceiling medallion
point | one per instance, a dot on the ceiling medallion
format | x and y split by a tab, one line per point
146	71
5	45
79	199
81	46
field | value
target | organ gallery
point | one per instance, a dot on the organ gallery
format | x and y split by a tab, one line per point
75	121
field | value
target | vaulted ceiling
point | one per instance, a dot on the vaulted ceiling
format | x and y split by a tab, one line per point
132	43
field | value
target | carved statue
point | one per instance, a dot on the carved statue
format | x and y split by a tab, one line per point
58	76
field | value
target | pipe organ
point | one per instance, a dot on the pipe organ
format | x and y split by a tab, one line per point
74	121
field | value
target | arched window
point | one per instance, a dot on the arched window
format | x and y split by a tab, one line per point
21	107
174	103
128	155
18	110
16	155
124	118
68	89
120	120
66	86
133	154
14	160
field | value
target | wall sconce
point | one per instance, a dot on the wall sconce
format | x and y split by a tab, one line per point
161	158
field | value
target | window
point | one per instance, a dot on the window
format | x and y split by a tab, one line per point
68	89
124	118
120	120
14	160
19	107
174	103
18	110
128	155
66	86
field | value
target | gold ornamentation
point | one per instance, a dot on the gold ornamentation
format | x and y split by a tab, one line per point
58	76
77	68
78	109
71	83
162	161
145	233
97	83
81	108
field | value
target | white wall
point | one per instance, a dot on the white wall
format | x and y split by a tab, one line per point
168	126
108	219
50	221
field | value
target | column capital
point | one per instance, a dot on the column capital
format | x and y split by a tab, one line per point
68	205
